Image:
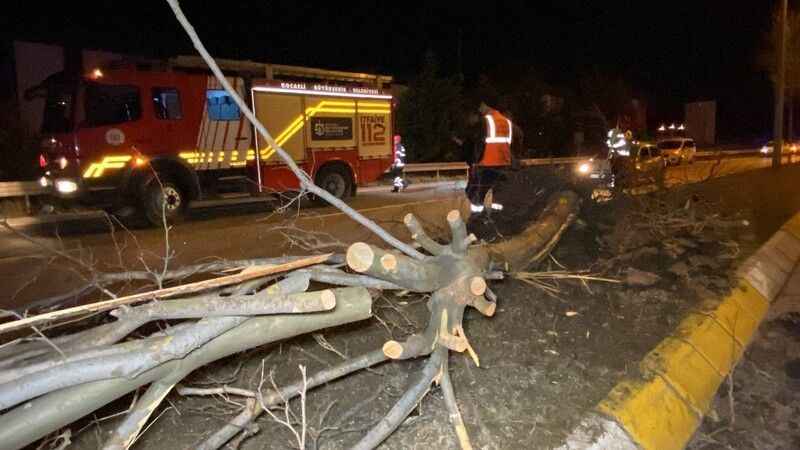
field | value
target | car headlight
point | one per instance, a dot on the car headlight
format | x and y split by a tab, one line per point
764	149
66	186
584	168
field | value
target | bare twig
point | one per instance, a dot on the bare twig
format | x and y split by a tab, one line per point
222	390
300	436
162	293
320	338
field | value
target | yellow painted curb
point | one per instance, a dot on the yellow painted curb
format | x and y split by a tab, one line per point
680	377
641	407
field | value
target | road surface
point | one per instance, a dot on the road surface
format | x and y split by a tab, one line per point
241	231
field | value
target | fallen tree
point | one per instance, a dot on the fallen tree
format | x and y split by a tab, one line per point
46	384
90	369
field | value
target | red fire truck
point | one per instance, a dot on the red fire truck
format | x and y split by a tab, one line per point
159	136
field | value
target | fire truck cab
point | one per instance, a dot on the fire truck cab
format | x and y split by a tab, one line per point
158	136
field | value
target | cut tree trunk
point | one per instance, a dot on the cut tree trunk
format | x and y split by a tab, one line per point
537	240
35	419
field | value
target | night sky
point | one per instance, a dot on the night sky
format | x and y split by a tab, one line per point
670	52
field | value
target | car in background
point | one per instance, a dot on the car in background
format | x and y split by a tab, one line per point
790	148
678	150
645	165
642	165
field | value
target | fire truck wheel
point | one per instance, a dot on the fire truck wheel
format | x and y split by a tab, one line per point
166	198
334	180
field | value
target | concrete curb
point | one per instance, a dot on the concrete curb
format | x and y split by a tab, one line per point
679	378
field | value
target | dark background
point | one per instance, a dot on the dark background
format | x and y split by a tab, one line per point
669	52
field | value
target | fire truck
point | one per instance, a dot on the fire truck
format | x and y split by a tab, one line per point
157	136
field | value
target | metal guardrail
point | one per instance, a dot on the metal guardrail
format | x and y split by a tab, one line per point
461	166
20	189
708	153
437	168
25	189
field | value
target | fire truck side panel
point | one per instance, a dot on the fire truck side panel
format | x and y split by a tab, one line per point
279	178
375	128
331	122
282	115
320	131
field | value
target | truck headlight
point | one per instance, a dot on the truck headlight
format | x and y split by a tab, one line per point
584	168
66	186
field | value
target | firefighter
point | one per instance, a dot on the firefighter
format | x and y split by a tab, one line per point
399	163
492	155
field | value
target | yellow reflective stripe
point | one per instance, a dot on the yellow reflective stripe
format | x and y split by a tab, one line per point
374	111
97	169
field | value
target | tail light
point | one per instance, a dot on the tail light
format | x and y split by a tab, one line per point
42	161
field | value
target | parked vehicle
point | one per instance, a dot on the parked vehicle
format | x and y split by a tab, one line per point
159	137
643	165
678	150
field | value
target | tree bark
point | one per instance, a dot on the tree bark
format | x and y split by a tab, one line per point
526	248
37	418
406	404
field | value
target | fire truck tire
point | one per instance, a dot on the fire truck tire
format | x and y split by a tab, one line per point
336	180
153	201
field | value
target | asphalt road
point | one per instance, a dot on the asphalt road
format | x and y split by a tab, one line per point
28	270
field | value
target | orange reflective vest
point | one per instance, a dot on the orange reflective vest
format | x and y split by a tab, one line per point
497	148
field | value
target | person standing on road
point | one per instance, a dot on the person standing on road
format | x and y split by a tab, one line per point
491	157
398	165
